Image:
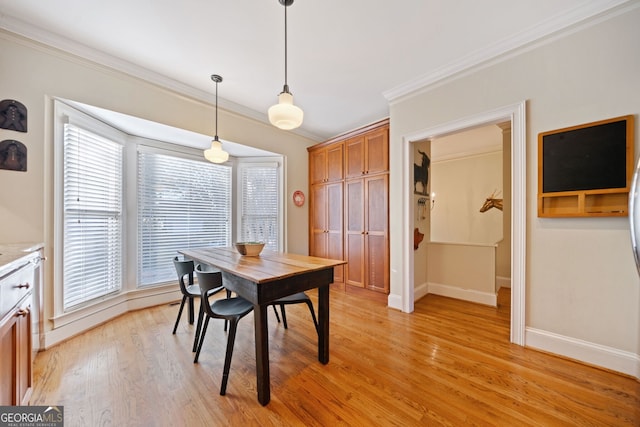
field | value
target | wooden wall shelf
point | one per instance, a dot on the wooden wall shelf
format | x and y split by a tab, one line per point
586	170
583	204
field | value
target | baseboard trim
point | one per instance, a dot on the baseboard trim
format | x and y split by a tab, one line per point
106	313
394	301
463	294
503	282
420	291
594	354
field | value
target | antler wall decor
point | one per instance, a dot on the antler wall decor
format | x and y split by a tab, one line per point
491	202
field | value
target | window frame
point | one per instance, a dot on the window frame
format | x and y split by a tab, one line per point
68	115
148	149
261	162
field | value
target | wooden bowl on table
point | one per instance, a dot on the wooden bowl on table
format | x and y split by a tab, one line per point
249	248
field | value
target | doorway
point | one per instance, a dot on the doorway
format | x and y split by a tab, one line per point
515	114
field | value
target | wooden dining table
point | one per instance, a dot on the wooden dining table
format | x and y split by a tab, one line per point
264	278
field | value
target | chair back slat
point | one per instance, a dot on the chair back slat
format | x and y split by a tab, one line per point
184	269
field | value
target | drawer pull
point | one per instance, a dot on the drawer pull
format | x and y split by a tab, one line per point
26	285
22	312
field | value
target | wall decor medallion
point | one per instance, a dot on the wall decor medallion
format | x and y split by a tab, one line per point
298	198
13	115
13	155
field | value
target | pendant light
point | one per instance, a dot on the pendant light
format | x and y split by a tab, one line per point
284	114
216	154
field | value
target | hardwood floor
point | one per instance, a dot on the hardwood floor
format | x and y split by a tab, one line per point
449	363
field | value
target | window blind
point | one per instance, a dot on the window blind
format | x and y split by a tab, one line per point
259	204
93	221
182	203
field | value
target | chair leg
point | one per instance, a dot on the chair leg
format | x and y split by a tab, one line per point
202	335
276	312
284	316
225	320
227	358
175	327
198	327
313	315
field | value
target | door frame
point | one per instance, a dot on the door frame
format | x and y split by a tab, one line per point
516	114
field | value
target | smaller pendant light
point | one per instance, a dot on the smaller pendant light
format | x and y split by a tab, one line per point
284	114
216	154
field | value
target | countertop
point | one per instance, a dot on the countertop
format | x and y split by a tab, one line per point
11	253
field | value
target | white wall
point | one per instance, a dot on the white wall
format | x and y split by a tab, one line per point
34	74
582	287
463	271
461	186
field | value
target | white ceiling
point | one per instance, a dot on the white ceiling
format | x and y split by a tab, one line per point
347	59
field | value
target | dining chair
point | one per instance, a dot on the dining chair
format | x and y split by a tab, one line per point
297	298
190	291
229	309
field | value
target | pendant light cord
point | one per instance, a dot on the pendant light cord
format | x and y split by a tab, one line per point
217	79
216	137
286	86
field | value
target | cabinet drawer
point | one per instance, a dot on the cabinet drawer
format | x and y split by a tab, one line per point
14	286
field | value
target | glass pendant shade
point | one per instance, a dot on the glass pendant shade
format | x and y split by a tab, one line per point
284	114
216	154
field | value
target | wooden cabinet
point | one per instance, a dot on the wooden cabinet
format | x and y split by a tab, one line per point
349	207
367	153
16	291
326	224
325	164
325	204
367	233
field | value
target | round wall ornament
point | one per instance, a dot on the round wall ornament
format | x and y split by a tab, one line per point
298	198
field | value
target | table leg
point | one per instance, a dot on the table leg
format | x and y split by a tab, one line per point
190	310
323	324
262	353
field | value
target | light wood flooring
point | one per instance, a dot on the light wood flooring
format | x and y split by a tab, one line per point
449	363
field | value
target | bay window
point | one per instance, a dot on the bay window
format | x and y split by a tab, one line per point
125	205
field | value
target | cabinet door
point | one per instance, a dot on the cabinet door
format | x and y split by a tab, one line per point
325	164
318	225
354	233
326	238
354	157
377	233
24	364
8	359
334	162
317	166
376	155
335	240
367	153
15	356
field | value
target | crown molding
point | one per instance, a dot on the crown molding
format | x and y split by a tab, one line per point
82	51
583	16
